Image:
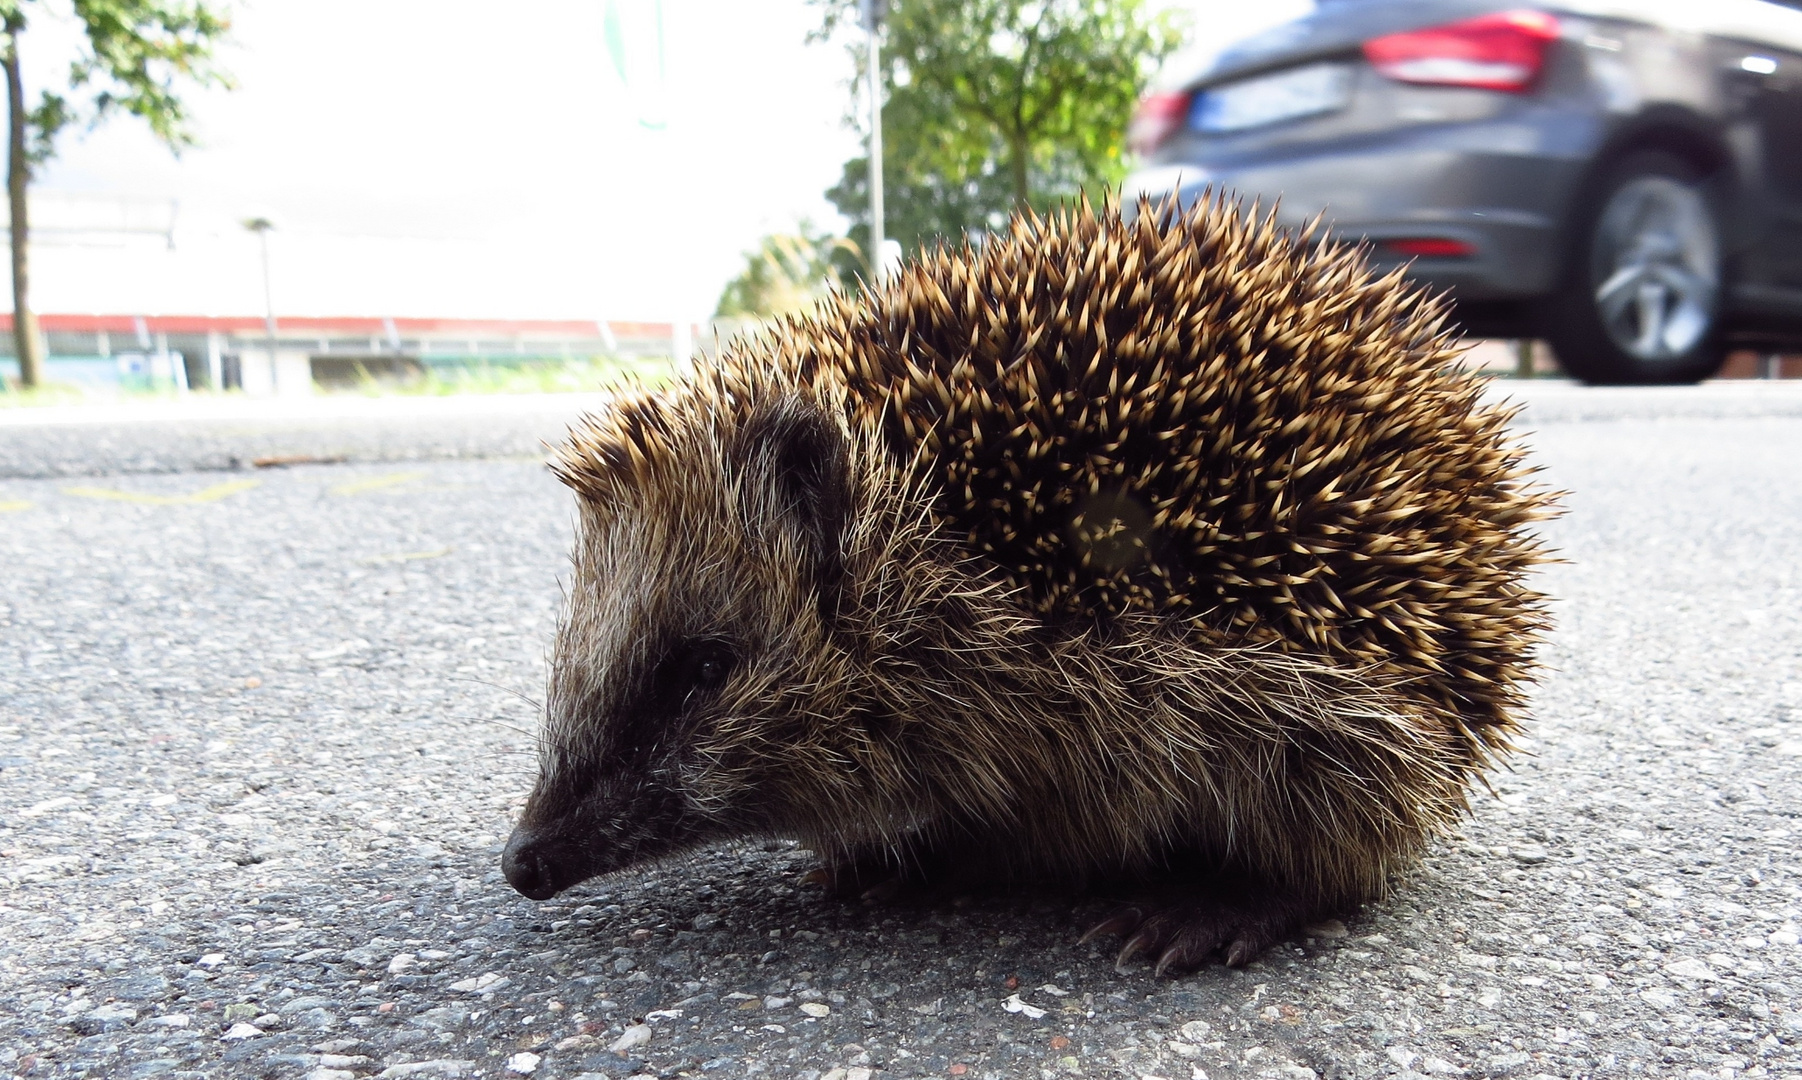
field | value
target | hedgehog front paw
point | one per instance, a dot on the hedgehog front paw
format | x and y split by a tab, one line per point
920	875
1182	935
854	881
874	875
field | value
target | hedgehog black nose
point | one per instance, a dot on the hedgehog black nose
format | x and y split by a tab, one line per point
531	866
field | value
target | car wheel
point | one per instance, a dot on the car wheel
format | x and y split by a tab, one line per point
1639	300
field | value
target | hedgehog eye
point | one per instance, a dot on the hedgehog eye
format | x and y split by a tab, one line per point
708	669
694	667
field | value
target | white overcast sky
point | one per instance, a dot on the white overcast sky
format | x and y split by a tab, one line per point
455	158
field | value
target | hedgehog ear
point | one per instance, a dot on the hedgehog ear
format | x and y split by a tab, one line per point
802	457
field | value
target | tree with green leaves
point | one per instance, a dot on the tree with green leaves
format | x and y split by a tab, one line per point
787	273
134	56
992	105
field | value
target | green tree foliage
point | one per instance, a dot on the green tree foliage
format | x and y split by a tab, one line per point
135	56
996	104
786	274
922	206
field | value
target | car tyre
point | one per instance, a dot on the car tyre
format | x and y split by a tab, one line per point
1639	300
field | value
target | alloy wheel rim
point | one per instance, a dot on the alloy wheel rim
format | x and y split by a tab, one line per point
1657	262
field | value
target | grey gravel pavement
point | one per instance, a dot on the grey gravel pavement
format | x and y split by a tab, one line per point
233	433
261	735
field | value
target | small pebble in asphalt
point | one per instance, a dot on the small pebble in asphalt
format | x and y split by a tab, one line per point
633	1038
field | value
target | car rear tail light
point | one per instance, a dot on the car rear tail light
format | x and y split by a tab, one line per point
1428	247
1503	51
1159	116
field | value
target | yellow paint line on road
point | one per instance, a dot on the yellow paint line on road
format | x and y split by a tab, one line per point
17	504
375	483
204	495
408	556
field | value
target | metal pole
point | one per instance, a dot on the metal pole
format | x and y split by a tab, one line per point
261	227
872	22
1523	359
268	301
215	360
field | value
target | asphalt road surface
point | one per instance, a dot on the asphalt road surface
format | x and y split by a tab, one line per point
262	734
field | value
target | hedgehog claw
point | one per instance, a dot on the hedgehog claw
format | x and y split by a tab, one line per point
1189	949
881	892
1185	934
1243	950
1177	956
1135	945
856	880
1118	923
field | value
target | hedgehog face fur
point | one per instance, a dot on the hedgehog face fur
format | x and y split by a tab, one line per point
1150	552
684	613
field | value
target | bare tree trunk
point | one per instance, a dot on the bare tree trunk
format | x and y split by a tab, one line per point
18	175
1019	152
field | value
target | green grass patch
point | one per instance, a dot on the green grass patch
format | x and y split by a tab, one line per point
436	378
523	376
15	397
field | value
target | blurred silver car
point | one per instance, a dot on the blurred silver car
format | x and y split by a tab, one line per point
1620	178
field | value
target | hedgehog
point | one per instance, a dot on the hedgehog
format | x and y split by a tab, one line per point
1166	555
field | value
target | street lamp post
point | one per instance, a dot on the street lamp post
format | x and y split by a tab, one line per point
872	24
261	226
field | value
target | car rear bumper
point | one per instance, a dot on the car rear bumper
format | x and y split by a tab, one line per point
1506	203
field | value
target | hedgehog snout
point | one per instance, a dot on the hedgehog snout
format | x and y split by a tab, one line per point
569	833
539	866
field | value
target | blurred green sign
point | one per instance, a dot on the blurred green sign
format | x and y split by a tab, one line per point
633	30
